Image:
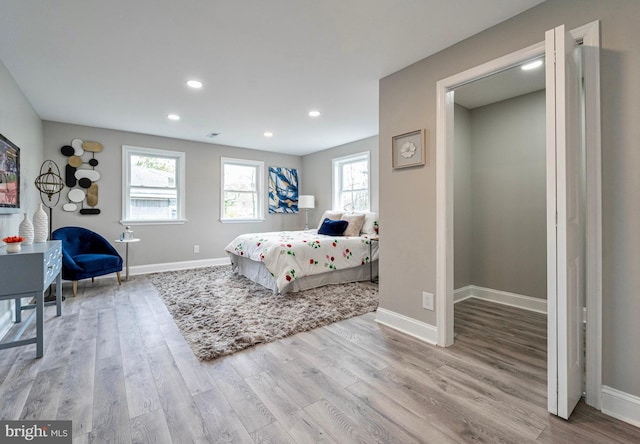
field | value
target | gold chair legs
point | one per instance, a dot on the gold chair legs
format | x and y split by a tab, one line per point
75	284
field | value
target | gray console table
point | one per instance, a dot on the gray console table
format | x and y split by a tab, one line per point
28	274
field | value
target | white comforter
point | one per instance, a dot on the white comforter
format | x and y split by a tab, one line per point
291	255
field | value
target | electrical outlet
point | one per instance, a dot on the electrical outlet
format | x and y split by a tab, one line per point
427	301
196	249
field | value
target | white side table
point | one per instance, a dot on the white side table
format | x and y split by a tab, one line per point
126	257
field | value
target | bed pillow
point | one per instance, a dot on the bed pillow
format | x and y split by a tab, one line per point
355	224
370	226
329	214
333	227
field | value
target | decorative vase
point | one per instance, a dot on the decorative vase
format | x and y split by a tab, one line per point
14	247
40	225
26	230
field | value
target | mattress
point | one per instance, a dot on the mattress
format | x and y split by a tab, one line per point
257	272
289	256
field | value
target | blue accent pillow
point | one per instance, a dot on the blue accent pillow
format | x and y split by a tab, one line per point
333	227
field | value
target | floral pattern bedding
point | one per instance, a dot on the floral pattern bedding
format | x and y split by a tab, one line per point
291	255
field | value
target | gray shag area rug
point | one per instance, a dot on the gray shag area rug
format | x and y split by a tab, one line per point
220	312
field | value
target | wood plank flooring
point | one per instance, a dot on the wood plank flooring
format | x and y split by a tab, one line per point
116	365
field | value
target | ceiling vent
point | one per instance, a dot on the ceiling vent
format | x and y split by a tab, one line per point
211	135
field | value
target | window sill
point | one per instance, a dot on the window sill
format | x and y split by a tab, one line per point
154	222
240	221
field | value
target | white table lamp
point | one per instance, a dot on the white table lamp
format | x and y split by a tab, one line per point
306	201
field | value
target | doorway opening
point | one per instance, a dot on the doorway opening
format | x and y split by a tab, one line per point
500	224
500	188
588	35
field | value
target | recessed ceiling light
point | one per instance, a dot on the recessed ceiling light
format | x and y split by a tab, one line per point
314	113
268	134
173	117
532	65
195	84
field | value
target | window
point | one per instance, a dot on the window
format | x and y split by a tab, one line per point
242	190
351	182
153	186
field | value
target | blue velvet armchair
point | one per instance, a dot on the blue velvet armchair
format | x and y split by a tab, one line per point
86	254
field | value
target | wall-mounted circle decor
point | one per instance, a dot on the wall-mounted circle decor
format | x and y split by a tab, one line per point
94	147
92	195
83	195
77	147
75	161
70	176
76	195
92	175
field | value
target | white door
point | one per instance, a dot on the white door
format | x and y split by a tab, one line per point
565	223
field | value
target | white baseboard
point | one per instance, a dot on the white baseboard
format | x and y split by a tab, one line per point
500	297
417	329
173	266
462	294
135	270
621	405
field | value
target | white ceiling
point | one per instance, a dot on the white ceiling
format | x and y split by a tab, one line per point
122	64
512	82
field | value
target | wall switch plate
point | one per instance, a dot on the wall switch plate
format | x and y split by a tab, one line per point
427	301
196	249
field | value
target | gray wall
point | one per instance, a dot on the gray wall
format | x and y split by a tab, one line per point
462	198
408	102
318	173
508	196
166	243
20	124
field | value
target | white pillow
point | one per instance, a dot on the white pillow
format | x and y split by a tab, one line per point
355	224
370	226
331	214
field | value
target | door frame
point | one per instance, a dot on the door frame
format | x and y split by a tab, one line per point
589	36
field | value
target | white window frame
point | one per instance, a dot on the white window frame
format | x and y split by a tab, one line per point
180	158
337	163
260	189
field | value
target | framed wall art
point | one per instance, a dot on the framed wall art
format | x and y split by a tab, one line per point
283	190
409	149
9	177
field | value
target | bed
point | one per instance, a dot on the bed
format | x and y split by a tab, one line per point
290	261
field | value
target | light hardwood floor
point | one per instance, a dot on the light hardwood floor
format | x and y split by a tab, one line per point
117	366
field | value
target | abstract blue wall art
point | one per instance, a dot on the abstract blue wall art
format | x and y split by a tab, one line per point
283	190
